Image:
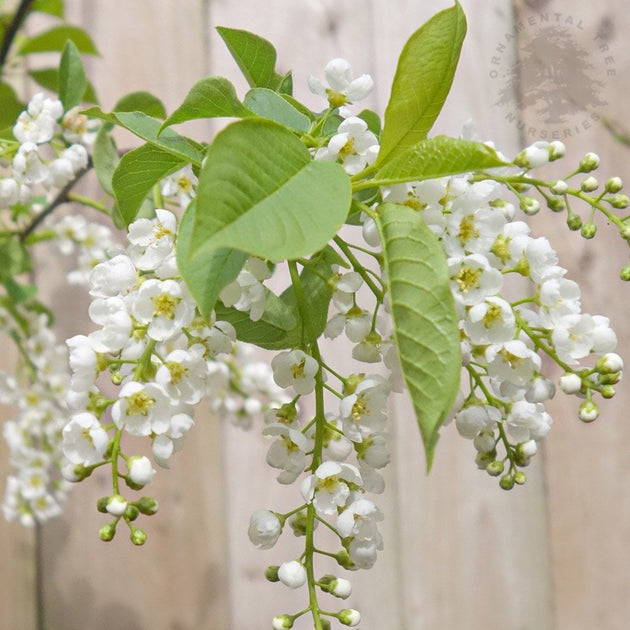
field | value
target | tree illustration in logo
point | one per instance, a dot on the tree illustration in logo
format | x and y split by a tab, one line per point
553	75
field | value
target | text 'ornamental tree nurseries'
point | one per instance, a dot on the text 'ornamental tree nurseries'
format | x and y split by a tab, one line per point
403	244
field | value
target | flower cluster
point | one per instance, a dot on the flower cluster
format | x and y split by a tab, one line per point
162	357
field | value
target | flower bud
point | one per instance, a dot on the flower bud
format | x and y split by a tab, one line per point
339	587
140	470
556	204
519	477
349	617
298	524
116	505
589	184
282	622
570	383
292	574
344	560
613	185
559	187
506	482
624	274
608	363
588	230
624	232
589	162
147	505
138	537
495	468
264	529
107	532
530	206
608	391
271	573
574	222
588	411
618	201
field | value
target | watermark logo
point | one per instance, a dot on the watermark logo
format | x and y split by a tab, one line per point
556	87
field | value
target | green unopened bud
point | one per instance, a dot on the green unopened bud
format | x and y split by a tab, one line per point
138	537
282	622
495	468
349	617
147	505
574	222
519	477
559	187
116	378
608	391
609	379
271	573
624	274
625	232
298	523
325	624
613	185
351	383
589	184
530	206
132	512
107	532
101	504
588	230
344	560
618	201
556	204
589	163
507	482
588	411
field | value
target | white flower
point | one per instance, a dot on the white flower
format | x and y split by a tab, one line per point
292	574
140	470
28	166
152	239
288	452
183	374
38	123
295	369
111	314
472	420
528	421
84	439
328	487
247	293
115	276
473	279
359	520
180	185
165	305
344	88
513	363
264	529
142	409
570	383
354	146
577	335
490	321
363	411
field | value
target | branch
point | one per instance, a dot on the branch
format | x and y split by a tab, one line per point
13	29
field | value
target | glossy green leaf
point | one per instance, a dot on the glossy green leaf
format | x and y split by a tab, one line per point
72	79
437	157
55	39
255	56
424	317
52	7
212	97
147	128
206	272
422	81
269	104
143	102
10	106
105	159
49	78
136	173
261	192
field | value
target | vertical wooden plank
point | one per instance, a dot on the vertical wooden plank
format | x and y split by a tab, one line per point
587	465
18	578
177	580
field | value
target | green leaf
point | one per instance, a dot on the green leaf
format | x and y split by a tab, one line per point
422	81
136	173
10	106
261	192
424	317
147	128
14	258
437	157
280	326
205	273
269	104
105	158
255	56
143	102
52	7
55	39
212	97
17	292
49	79
72	79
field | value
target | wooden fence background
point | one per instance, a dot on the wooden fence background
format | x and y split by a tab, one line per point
460	553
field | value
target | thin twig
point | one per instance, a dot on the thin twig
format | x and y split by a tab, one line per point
13	28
